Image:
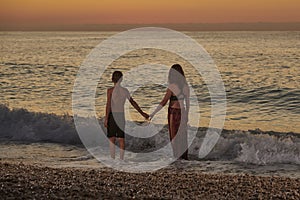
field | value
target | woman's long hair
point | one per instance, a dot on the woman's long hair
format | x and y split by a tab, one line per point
176	76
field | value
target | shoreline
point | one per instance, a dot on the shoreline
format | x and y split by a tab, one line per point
21	181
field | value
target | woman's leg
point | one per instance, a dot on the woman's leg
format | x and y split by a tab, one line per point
112	141
122	147
182	139
174	123
183	143
172	133
178	133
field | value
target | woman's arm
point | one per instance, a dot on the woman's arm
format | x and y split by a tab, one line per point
162	103
187	102
108	107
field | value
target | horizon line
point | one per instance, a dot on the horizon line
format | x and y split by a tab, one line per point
214	26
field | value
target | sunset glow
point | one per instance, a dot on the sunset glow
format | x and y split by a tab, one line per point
141	11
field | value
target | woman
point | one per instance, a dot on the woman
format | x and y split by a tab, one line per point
178	94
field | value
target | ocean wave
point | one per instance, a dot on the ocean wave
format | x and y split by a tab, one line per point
253	146
257	147
22	125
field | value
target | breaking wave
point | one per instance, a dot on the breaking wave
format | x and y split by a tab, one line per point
253	146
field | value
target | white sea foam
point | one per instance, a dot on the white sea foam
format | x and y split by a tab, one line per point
266	149
255	147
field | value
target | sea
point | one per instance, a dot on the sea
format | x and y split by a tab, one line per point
259	70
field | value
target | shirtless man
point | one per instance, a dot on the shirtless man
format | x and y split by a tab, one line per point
115	118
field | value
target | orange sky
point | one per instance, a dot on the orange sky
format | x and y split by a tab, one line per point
146	11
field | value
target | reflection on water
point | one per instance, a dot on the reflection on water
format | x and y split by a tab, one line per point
260	71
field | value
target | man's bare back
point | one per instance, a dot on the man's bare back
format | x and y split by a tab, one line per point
119	95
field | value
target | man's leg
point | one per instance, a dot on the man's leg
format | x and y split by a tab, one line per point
112	142
122	147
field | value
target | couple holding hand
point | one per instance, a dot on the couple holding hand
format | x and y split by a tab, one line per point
178	95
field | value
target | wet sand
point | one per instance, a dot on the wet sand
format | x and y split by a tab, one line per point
22	181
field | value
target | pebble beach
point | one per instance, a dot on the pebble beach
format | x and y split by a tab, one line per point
23	181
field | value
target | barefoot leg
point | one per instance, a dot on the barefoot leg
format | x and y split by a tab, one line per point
112	141
122	148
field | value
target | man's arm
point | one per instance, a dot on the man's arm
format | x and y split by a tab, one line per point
137	107
108	107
